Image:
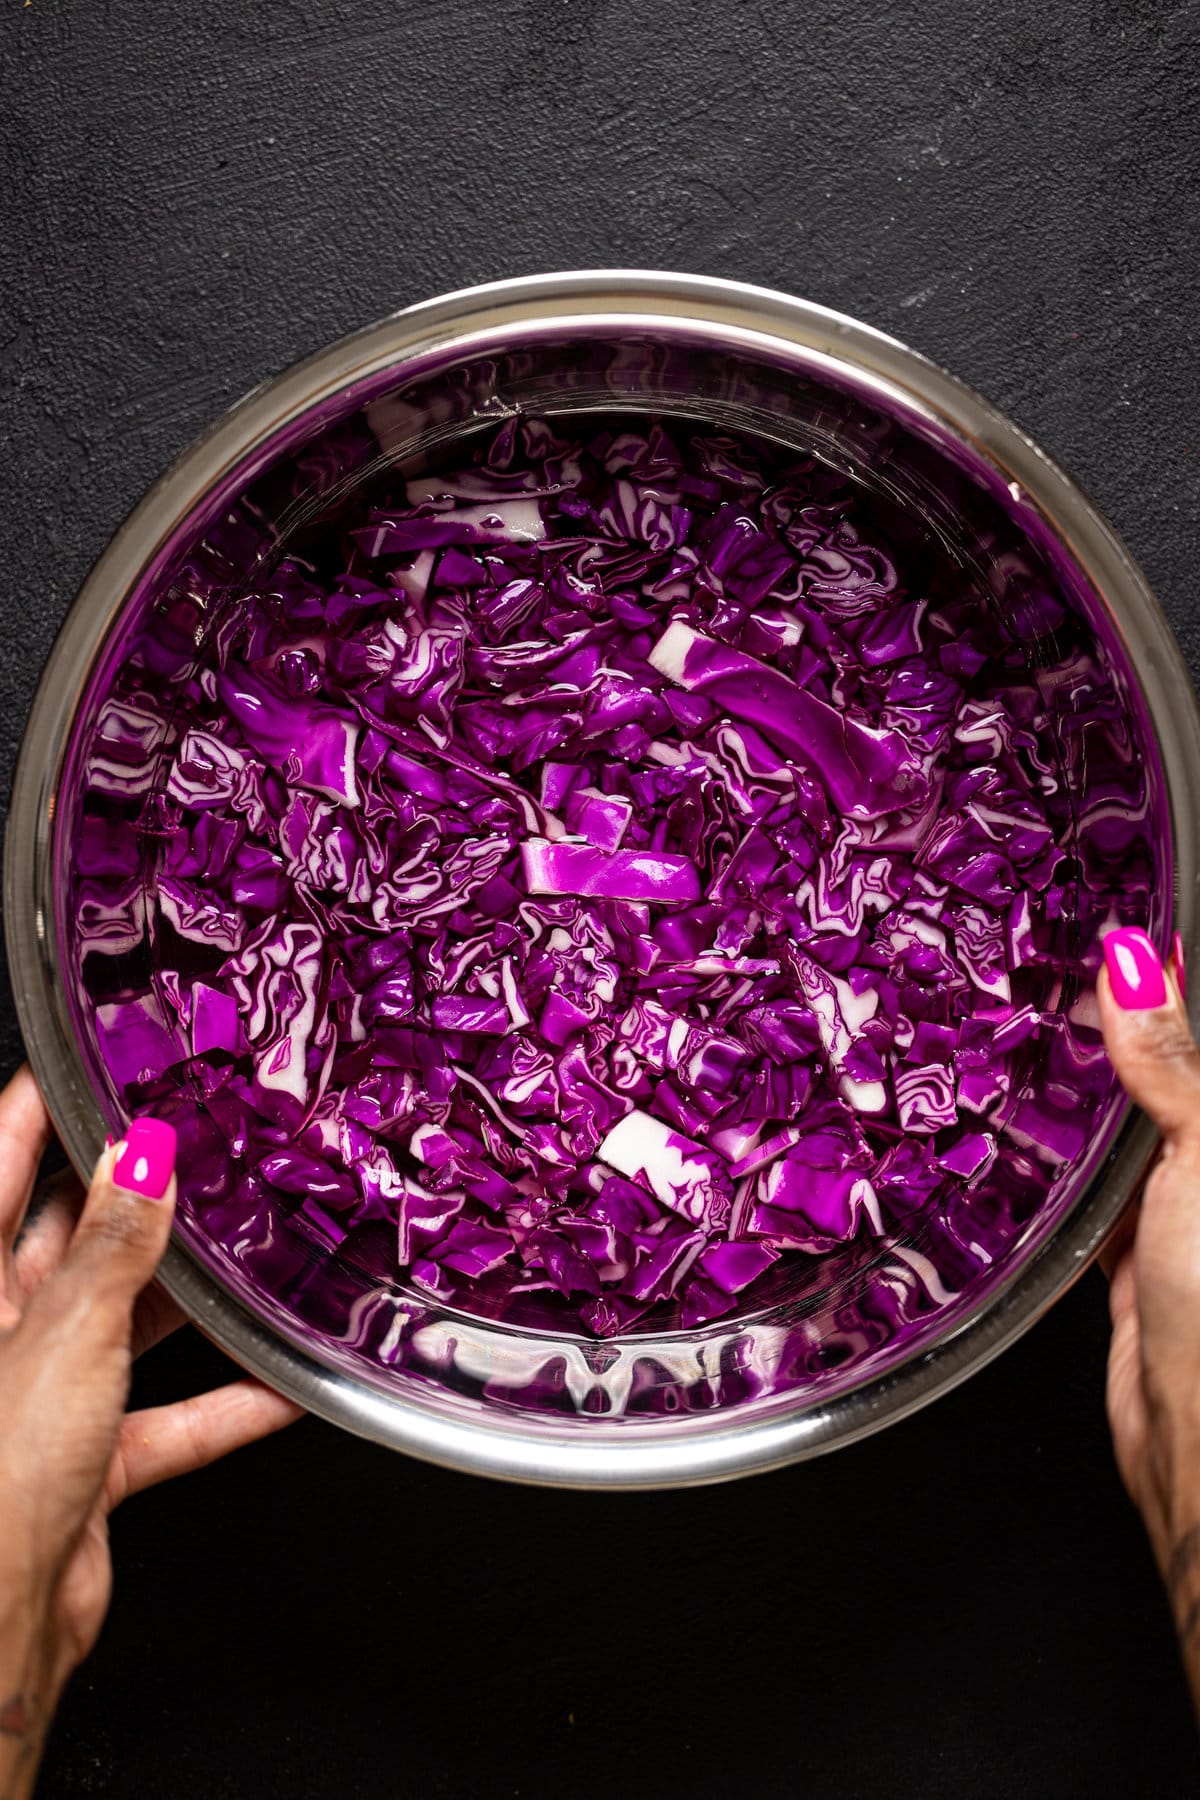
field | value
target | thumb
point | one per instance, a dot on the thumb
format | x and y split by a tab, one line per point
126	1219
1147	1035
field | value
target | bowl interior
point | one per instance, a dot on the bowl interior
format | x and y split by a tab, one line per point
962	534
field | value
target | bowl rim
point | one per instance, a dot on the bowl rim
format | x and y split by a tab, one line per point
538	1452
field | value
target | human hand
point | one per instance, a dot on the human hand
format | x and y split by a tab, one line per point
75	1309
1154	1299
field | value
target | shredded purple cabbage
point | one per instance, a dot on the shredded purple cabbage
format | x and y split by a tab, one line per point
605	873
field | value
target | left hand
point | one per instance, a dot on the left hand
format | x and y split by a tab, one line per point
76	1307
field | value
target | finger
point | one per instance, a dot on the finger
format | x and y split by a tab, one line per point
125	1224
1124	1393
164	1441
155	1316
1147	1035
49	1227
24	1133
1122	1290
1118	1241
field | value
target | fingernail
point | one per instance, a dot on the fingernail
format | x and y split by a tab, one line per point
147	1162
1134	970
1180	965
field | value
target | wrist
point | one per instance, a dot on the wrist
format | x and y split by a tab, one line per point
28	1689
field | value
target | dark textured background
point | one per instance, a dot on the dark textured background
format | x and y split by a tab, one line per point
194	194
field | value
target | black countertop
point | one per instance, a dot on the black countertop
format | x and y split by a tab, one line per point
194	195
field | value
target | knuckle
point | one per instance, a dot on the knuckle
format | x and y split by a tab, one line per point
1167	1039
1164	1048
119	1229
197	1439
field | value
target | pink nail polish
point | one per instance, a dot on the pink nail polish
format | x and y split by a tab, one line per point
1180	960
1134	970
147	1162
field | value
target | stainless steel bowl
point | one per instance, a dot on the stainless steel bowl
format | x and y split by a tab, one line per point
458	363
